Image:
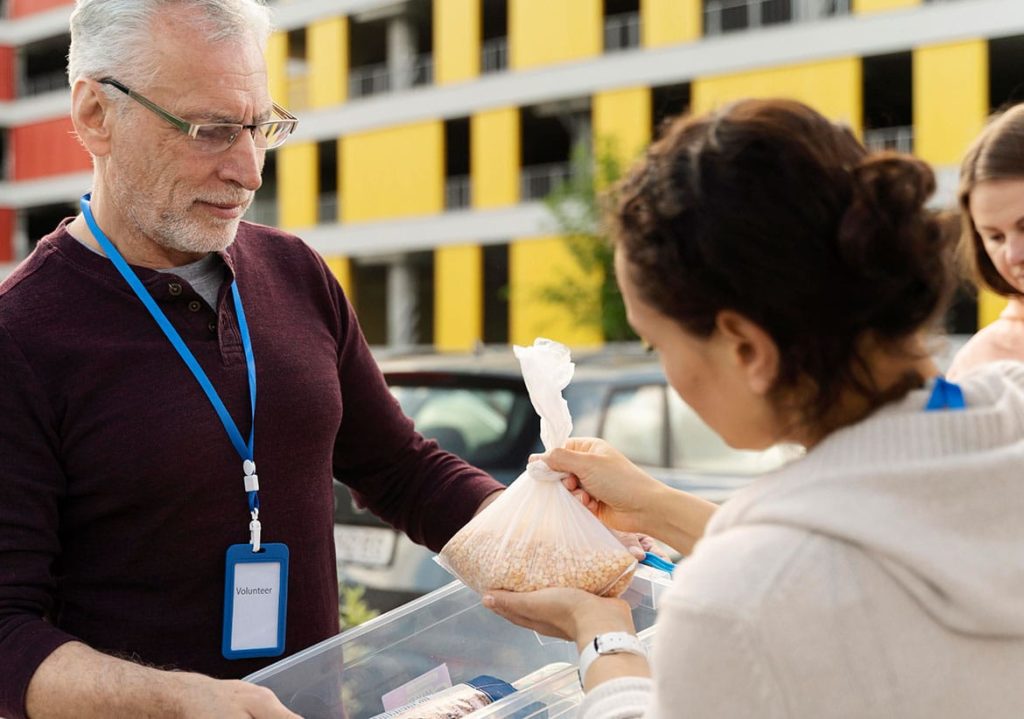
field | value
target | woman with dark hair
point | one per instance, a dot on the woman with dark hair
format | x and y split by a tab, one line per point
992	241
788	281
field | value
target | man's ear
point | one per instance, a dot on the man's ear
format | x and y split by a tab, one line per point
752	350
92	113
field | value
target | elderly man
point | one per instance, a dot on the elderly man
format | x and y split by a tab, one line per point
132	345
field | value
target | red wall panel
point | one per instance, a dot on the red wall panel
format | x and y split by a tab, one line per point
6	235
47	148
21	8
6	73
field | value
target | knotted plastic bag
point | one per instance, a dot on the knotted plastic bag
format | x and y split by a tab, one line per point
537	534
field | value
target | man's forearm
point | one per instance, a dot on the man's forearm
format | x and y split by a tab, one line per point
78	682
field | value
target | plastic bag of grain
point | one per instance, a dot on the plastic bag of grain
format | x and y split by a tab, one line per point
536	534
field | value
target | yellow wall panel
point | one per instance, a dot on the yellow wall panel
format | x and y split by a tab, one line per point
860	6
622	122
458	297
277	60
297	185
670	22
542	32
494	158
534	264
456	40
950	99
396	172
989	306
327	52
342	269
832	87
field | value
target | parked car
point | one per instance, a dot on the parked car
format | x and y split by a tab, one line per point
477	406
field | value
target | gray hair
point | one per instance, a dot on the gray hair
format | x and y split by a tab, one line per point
112	37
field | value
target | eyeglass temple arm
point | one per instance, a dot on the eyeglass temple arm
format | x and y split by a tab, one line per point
187	127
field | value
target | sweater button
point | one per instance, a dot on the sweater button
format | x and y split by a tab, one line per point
212	326
174	288
195	305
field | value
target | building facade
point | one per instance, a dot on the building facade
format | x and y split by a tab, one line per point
430	130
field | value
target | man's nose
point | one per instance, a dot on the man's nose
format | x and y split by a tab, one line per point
242	163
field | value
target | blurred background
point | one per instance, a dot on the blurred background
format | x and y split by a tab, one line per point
447	164
432	130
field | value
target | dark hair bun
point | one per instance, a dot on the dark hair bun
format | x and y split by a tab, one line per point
767	208
890	240
889	192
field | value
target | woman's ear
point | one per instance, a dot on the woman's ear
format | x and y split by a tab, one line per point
91	113
751	349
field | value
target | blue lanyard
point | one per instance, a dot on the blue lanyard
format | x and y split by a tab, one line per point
245	449
945	395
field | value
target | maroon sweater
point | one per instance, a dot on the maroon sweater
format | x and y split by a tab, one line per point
119	488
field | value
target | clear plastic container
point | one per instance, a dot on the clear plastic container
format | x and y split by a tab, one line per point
556	696
347	676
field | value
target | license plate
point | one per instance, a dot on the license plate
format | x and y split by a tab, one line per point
374	546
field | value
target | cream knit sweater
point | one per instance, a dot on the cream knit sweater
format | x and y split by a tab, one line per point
882	575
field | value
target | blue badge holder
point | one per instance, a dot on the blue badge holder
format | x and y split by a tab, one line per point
239	554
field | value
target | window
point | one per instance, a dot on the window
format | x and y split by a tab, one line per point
456	163
888	102
621	25
634	423
488	427
696	447
494	36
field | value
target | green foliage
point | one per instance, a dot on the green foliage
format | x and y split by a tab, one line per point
354	609
577	206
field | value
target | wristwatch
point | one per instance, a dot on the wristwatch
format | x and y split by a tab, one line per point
609	643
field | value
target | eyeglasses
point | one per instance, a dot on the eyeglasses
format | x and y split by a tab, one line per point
214	137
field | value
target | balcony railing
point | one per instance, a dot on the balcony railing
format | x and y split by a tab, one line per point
722	16
622	31
262	212
539	181
47	82
456	192
423	70
369	80
327	208
898	139
376	79
494	55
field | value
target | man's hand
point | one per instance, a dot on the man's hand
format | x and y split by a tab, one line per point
204	697
77	682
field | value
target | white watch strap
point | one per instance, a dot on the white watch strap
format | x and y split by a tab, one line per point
609	643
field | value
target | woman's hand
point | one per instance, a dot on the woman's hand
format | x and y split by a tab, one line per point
628	499
609	485
571	614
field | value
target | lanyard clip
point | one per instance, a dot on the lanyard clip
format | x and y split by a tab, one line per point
254	530
252	480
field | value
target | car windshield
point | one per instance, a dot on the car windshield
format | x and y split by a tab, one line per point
487	427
